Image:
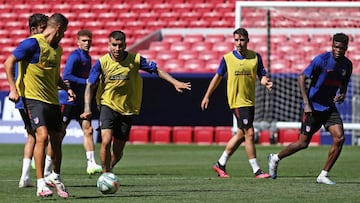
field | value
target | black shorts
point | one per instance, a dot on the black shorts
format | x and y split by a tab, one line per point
118	123
44	114
311	123
244	116
70	112
26	120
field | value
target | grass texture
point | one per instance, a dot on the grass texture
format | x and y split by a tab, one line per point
183	173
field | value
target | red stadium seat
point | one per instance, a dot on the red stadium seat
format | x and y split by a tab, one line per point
202	46
223	47
182	134
159	46
264	137
214	38
212	65
190	16
162	7
173	65
139	134
187	55
299	38
203	134
288	136
147	53
195	65
167	54
160	134
222	134
172	38
192	38
210	55
180	46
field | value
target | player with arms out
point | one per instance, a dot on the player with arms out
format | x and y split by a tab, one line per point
42	55
329	73
241	66
119	95
76	72
37	24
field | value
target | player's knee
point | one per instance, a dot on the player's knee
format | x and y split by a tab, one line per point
88	131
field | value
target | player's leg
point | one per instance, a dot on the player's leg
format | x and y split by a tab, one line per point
25	180
89	147
105	150
311	123
335	126
55	136
122	128
251	153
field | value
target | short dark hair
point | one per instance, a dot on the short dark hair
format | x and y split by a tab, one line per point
118	35
341	37
37	19
58	19
241	31
84	33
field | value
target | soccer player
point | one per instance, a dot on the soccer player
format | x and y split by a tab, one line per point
42	55
329	73
76	72
119	95
241	66
37	24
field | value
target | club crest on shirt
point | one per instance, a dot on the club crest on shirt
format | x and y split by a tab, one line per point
307	128
245	121
36	120
343	73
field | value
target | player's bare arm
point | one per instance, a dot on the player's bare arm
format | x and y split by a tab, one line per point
266	82
179	86
9	70
303	90
212	86
87	101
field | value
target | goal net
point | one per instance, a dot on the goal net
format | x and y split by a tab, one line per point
288	35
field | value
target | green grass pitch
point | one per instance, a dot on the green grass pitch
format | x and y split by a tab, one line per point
182	173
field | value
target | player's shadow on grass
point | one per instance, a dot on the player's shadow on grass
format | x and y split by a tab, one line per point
116	196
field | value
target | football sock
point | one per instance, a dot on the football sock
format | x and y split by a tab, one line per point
223	159
90	158
26	168
254	165
47	167
40	183
276	157
323	173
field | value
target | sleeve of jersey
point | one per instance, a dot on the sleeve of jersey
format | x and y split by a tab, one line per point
95	73
261	69
222	68
314	64
147	65
25	48
70	65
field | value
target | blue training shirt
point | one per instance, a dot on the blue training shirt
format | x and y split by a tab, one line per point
76	71
326	79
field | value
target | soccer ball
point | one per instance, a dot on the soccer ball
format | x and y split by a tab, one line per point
108	183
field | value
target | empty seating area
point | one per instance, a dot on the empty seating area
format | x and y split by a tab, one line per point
183	52
201	135
202	53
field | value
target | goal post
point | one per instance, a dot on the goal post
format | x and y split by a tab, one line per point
304	21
